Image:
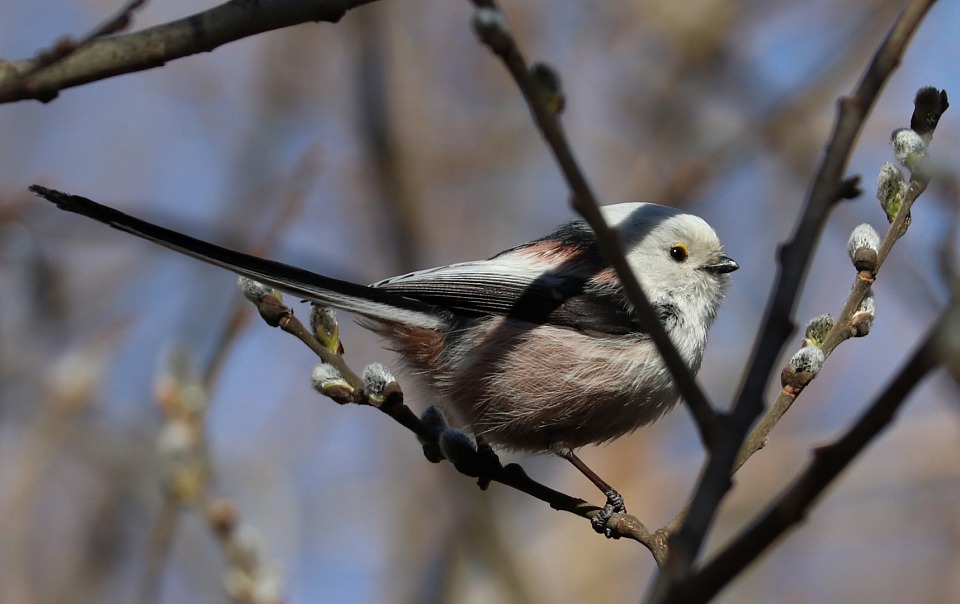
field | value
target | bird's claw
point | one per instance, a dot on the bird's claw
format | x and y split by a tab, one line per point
613	506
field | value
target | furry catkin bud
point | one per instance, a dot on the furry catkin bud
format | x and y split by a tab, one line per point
817	330
862	319
433	420
254	290
457	447
808	359
323	323
891	190
434	424
328	381
376	378
801	369
908	148
863	246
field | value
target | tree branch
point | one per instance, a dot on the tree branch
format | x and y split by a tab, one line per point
102	58
777	324
829	461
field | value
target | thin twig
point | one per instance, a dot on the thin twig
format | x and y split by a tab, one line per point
840	330
792	506
103	58
777	325
66	45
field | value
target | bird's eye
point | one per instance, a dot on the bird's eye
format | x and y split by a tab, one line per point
679	252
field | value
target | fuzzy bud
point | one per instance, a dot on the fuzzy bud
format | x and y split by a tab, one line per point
863	245
458	447
323	323
433	425
817	330
254	290
801	370
808	359
891	190
377	381
862	319
433	420
908	148
328	381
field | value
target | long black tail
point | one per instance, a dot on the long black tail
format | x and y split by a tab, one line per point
361	299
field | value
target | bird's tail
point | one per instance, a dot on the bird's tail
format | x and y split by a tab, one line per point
367	301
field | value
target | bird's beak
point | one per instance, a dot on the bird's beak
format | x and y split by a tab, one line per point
723	264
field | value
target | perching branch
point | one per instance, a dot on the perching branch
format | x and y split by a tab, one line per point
828	188
480	462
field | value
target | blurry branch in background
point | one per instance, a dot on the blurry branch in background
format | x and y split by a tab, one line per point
95	58
183	398
391	180
70	389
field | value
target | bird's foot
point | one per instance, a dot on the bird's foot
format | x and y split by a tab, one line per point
613	506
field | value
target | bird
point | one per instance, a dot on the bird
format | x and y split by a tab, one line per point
535	349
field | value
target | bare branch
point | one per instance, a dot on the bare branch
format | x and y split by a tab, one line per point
829	461
107	57
778	324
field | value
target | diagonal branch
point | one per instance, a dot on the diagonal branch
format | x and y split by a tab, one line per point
828	188
829	461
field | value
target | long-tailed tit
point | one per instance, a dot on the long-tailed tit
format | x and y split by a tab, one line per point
535	349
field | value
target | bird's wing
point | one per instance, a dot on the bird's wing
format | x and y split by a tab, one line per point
515	289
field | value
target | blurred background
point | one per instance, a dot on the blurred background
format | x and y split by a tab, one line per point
136	387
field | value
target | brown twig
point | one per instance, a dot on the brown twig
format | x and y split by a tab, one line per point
862	283
777	325
153	47
792	506
66	46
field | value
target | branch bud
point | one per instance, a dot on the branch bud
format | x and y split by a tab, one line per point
891	190
458	447
378	383
863	245
323	323
908	148
862	319
801	369
254	290
817	329
489	23
328	381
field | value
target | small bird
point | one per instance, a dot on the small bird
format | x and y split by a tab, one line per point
535	349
